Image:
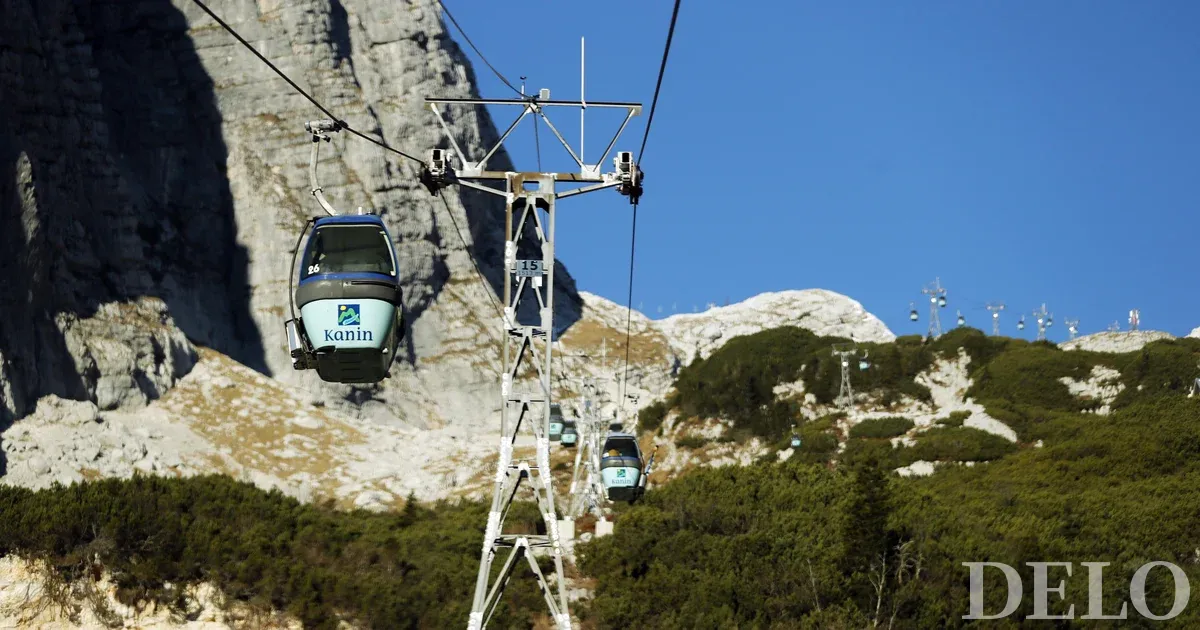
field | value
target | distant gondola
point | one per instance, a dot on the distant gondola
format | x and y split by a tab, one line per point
621	467
570	435
556	422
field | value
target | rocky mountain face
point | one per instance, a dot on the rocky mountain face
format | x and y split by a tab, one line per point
153	182
824	312
1115	341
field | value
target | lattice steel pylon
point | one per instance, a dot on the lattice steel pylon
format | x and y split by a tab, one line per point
843	351
995	309
1135	318
528	196
1044	320
937	297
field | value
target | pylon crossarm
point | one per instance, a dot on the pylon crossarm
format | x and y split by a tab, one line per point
539	102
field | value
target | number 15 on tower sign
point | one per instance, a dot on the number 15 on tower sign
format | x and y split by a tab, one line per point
529	268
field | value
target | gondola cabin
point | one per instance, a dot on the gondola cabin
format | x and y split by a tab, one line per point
863	365
795	441
570	435
556	422
621	467
351	304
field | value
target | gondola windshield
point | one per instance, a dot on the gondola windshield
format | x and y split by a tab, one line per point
348	249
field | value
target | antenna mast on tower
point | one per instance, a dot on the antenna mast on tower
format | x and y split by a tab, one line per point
1135	318
1073	327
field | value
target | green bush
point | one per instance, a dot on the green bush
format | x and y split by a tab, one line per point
955	419
737	381
650	417
415	568
1164	368
793	545
881	427
957	444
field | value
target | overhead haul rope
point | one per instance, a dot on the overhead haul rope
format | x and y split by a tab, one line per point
340	123
343	125
477	51
662	69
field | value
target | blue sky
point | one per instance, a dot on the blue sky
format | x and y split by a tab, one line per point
1023	151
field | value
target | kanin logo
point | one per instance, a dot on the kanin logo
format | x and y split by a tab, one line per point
349	315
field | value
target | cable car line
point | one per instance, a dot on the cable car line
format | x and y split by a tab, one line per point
486	288
478	52
338	121
662	69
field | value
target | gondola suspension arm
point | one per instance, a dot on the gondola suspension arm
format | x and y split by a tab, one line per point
319	129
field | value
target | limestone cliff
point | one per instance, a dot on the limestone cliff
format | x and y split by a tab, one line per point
152	168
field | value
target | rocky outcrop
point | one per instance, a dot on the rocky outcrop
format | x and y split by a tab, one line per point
1195	333
112	189
824	312
1115	342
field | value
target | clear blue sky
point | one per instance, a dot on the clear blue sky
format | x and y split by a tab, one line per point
1024	151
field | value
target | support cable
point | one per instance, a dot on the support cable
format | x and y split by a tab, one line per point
340	123
662	69
477	51
487	290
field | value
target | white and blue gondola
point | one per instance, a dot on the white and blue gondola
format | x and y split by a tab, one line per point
621	467
570	434
351	303
556	422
